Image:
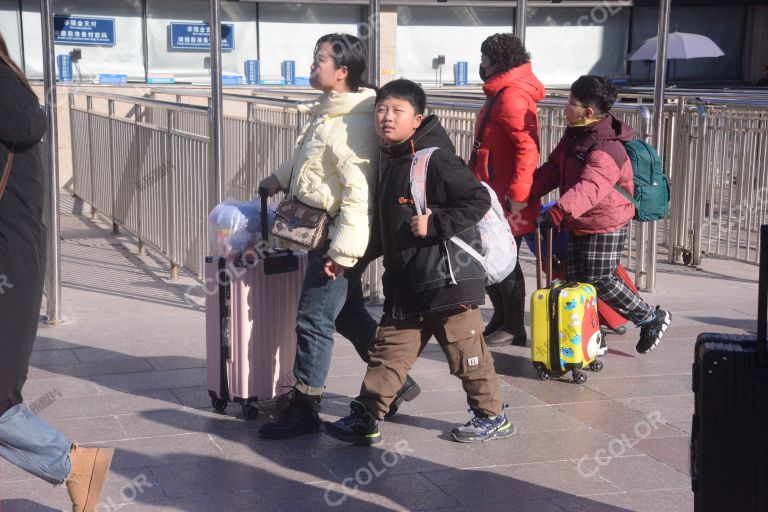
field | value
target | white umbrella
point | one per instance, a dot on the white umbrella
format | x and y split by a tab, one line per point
680	45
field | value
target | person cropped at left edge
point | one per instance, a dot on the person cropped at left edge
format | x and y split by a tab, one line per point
333	169
431	287
27	441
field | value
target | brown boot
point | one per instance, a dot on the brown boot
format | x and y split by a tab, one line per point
87	476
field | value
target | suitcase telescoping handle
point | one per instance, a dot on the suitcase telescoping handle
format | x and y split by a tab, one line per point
264	195
762	301
285	262
539	278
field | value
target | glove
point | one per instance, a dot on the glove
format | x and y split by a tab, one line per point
551	218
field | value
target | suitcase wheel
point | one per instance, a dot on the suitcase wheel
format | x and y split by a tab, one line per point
596	365
544	374
219	404
250	412
620	330
579	377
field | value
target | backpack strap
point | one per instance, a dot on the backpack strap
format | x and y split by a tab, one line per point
418	181
418	178
621	190
483	125
626	195
6	173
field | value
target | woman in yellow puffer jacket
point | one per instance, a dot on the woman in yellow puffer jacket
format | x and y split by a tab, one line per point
333	168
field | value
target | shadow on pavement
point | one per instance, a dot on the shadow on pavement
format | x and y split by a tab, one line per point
312	472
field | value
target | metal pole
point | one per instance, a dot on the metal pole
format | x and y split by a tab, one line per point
53	263
698	187
374	42
522	5
658	125
144	39
216	107
22	57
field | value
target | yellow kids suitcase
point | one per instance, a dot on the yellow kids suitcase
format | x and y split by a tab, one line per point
565	329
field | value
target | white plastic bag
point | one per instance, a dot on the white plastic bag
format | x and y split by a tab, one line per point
235	226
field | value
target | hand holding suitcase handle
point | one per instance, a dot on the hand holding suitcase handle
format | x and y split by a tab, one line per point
539	280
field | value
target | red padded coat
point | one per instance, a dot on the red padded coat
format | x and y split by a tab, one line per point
509	153
586	164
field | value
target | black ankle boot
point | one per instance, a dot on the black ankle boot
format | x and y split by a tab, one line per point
300	417
497	320
408	392
512	330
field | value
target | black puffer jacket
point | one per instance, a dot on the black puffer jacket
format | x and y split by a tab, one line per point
22	234
416	272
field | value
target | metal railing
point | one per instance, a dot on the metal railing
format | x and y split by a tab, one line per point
147	168
722	191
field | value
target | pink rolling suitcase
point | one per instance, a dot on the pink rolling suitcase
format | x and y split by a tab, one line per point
250	312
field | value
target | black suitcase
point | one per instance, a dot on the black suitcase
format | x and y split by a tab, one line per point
729	439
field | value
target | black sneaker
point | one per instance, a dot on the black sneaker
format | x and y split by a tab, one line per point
483	428
603	346
359	428
652	332
408	392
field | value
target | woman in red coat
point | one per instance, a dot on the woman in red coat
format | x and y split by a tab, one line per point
506	159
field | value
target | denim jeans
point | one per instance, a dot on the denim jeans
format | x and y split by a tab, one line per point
36	447
328	305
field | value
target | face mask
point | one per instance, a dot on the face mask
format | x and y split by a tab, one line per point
482	72
582	122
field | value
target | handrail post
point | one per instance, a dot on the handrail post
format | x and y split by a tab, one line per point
216	106
139	179
170	167
644	254
112	187
92	164
698	186
53	258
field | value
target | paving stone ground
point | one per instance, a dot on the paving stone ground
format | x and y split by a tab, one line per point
128	370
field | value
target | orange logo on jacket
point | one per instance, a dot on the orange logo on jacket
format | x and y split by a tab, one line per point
405	200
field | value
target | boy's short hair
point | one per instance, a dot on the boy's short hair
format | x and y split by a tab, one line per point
406	90
596	92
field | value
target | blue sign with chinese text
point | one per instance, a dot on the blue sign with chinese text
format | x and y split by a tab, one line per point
252	72
65	67
461	72
81	30
288	68
197	36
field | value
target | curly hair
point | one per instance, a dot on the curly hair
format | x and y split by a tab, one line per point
505	51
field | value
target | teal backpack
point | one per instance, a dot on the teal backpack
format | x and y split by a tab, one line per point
651	197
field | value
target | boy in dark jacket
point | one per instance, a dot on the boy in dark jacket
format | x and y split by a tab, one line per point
587	164
431	287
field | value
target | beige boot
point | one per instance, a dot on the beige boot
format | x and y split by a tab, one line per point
86	479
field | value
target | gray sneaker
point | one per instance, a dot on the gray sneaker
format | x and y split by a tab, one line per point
483	428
